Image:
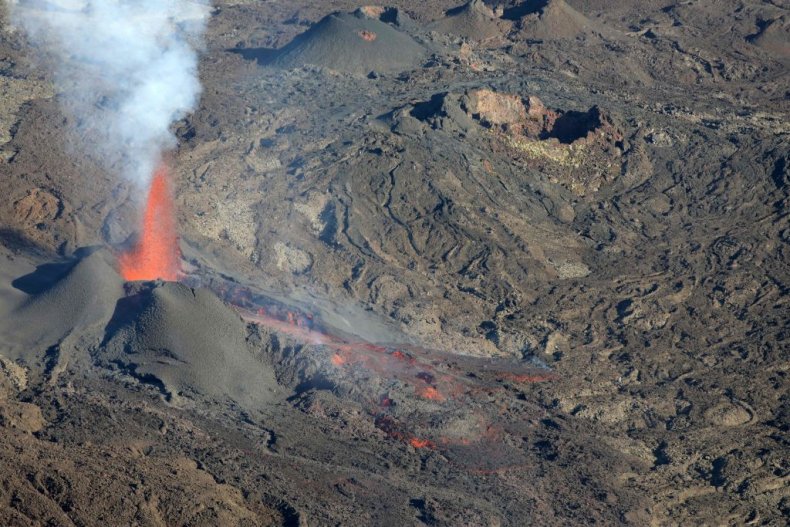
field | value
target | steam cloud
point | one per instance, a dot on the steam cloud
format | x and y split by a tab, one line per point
125	69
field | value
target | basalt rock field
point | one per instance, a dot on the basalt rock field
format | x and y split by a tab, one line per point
497	264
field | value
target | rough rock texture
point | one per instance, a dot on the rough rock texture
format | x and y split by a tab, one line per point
581	150
645	266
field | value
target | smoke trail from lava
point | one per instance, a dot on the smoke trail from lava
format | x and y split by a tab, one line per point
125	69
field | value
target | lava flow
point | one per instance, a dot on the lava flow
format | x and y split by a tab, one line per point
156	254
428	399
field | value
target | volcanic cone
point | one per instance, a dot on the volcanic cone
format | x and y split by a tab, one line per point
353	43
65	299
774	37
186	340
548	20
473	20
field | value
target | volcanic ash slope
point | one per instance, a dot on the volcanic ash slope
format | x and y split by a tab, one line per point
774	37
65	300
473	20
549	20
353	43
188	341
185	341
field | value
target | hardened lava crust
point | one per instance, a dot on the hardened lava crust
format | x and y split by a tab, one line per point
503	263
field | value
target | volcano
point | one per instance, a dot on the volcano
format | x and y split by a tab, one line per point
773	36
353	43
65	300
186	341
548	20
473	20
182	339
533	270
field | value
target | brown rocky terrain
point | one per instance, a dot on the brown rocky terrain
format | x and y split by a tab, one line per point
499	264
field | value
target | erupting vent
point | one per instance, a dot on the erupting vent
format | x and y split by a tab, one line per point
156	254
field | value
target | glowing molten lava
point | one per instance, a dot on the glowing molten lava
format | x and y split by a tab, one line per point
429	392
337	359
416	442
156	255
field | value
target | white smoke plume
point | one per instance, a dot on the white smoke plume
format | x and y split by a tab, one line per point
126	70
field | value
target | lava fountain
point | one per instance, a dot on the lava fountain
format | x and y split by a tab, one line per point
155	255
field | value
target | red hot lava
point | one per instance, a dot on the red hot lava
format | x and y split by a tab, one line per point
448	380
156	254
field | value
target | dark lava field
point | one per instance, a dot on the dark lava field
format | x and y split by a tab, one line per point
504	263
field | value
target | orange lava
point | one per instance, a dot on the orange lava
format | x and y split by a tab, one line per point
416	442
367	36
156	254
429	392
337	359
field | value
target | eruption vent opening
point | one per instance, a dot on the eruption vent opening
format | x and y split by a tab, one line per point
156	254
